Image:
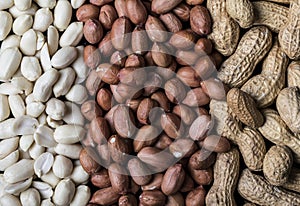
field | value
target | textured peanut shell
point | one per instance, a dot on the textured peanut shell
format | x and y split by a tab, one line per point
254	45
244	106
288	106
276	131
226	173
250	141
277	165
241	11
265	87
220	112
256	189
293	182
281	1
251	144
293	74
225	31
249	204
289	35
269	14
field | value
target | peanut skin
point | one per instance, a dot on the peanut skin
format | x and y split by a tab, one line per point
226	173
254	45
257	190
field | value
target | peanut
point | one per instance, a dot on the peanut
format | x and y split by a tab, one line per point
257	190
249	204
225	31
253	46
293	180
281	1
289	34
275	130
220	112
163	6
196	197
241	11
293	74
265	87
250	141
251	144
269	14
277	165
172	22
226	173
106	196
278	168
200	20
244	107
288	104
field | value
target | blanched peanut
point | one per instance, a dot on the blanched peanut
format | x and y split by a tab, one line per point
10	200
62	166
19	171
42	19
9	160
79	175
53	39
5	4
5	25
7	146
64	192
16	104
82	196
72	35
28	42
30	197
73	114
10	60
43	164
10	41
69	134
31	68
16	12
55	108
22	24
4	107
77	94
69	150
42	89
62	14
23	4
64	82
